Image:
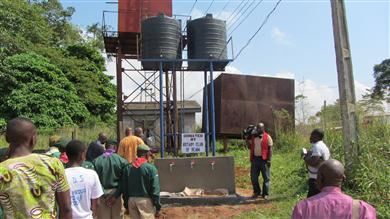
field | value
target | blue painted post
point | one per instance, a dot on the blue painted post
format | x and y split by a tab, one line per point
162	137
206	114
212	108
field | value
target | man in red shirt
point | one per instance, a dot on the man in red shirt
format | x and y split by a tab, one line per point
260	157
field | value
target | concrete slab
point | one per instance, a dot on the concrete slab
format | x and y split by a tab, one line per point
194	201
207	173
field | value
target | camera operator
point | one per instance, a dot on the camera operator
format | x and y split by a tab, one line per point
260	156
313	159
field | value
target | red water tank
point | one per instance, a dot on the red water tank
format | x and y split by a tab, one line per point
131	12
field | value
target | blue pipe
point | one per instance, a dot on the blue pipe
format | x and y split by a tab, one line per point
206	114
162	137
212	108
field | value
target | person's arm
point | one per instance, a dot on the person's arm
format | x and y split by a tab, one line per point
313	161
313	157
120	151
270	145
94	206
62	193
155	189
64	205
96	193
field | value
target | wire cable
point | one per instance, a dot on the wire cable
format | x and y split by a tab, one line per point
192	8
212	2
224	7
246	17
235	10
239	14
258	30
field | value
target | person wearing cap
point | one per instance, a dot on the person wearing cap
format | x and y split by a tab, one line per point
109	167
53	150
331	202
140	186
128	145
61	145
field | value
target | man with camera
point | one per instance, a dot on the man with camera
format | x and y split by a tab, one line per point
313	159
260	144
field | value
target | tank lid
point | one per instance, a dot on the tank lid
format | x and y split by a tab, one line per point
209	16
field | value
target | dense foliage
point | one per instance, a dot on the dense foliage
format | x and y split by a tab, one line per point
50	71
382	79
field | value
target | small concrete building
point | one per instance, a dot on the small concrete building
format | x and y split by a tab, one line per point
147	116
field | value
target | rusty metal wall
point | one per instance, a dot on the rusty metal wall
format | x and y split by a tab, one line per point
241	100
131	12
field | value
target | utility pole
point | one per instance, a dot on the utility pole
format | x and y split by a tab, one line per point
119	98
346	85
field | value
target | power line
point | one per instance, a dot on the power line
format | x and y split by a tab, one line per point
192	8
235	10
198	91
212	2
258	30
224	7
246	17
242	14
233	19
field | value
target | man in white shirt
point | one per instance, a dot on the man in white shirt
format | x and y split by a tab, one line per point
313	159
85	187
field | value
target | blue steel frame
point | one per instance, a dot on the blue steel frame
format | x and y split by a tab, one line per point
211	70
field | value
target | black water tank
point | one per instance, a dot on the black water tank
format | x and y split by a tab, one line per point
160	38
206	40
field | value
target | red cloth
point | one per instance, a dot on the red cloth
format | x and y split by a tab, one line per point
64	158
264	147
139	161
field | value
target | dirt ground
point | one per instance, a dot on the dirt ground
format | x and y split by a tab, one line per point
216	211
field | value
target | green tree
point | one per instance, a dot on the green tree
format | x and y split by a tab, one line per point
64	32
370	104
33	87
382	80
95	35
43	27
22	26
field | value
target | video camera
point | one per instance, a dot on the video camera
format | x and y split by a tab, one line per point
250	131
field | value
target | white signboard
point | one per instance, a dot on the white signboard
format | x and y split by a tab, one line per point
192	143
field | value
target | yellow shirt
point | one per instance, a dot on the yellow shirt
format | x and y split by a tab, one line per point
128	147
29	184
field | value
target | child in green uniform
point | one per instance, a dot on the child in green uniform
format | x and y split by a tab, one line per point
140	186
109	167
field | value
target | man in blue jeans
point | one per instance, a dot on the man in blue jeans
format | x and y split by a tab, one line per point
260	157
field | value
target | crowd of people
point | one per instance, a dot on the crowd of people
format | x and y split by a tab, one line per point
73	180
324	198
108	180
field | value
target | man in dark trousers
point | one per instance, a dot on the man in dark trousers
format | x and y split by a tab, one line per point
109	167
315	156
140	186
260	157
